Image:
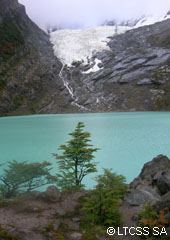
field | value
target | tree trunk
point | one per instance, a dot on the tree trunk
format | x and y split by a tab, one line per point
76	174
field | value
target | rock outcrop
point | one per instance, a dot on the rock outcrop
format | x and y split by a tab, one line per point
154	174
152	184
145	189
163	182
141	197
52	194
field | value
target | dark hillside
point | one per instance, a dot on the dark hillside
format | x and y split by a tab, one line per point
29	80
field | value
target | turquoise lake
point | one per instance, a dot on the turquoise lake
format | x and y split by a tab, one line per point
126	140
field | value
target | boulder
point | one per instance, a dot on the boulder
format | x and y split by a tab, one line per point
152	173
166	197
141	197
163	182
135	218
52	194
158	206
164	203
75	236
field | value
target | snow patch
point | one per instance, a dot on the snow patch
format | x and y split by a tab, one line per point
80	44
95	68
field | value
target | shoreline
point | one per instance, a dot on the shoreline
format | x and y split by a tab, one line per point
81	113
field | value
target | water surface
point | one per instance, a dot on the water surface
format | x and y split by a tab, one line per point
126	140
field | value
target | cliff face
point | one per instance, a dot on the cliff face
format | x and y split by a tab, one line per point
29	71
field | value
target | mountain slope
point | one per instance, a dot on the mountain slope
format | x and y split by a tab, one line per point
133	74
29	71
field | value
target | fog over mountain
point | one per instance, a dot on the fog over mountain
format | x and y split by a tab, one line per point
87	13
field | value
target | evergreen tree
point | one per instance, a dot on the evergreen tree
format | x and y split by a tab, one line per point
77	159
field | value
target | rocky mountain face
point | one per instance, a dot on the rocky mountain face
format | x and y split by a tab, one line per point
29	71
132	75
152	184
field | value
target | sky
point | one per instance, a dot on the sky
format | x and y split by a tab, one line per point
89	13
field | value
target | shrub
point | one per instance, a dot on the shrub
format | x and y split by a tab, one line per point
102	207
150	218
23	176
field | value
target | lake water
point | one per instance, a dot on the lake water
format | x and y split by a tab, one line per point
126	140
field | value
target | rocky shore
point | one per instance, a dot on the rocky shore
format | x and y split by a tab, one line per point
53	215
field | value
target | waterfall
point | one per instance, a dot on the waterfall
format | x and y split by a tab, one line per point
66	84
70	90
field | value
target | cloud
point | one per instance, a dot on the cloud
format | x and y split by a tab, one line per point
90	12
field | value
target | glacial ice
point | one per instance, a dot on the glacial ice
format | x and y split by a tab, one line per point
80	44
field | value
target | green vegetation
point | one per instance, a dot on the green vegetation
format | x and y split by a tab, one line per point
77	159
32	110
18	101
24	176
151	218
11	38
50	230
2	83
101	207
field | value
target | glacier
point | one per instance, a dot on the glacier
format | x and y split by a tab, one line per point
79	45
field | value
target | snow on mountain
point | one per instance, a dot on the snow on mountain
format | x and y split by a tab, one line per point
79	45
139	22
151	20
